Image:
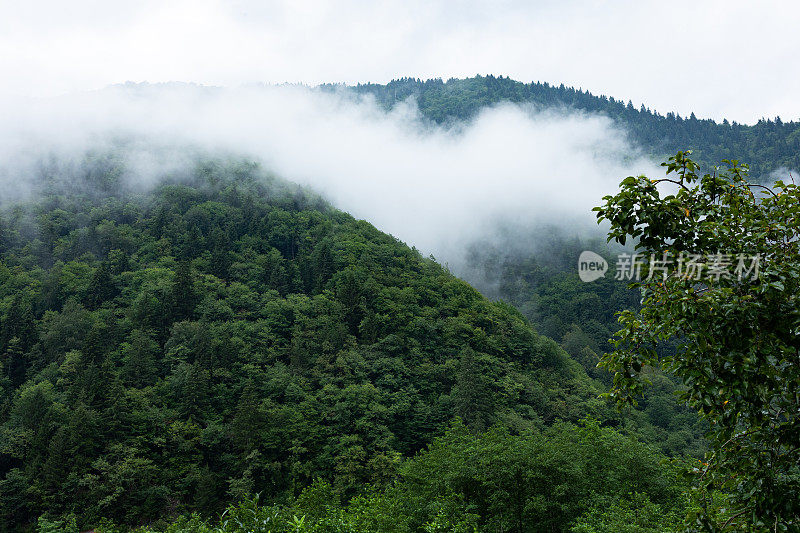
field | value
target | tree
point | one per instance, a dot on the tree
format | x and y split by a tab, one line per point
219	244
473	396
728	295
19	323
183	291
3	237
101	287
248	420
14	362
139	356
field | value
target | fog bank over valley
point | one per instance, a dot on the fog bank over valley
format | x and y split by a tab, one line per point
438	188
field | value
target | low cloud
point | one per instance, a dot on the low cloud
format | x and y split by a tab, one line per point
435	187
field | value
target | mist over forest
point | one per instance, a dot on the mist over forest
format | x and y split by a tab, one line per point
437	186
292	267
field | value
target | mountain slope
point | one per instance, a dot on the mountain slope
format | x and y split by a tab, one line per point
225	333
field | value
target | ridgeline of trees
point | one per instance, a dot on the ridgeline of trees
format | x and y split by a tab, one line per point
767	145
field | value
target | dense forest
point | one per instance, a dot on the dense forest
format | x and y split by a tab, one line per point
225	334
766	146
225	351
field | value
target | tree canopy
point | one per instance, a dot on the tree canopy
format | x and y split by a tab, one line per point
175	349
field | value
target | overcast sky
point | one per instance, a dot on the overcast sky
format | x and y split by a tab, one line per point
719	58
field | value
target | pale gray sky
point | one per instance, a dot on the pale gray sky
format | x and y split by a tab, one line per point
717	58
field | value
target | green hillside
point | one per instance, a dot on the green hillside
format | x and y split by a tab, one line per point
226	351
227	334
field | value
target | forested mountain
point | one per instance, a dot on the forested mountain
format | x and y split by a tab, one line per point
227	341
766	146
225	334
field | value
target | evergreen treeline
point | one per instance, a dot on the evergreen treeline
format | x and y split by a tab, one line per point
767	145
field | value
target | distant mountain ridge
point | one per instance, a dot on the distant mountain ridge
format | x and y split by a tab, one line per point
771	146
766	146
